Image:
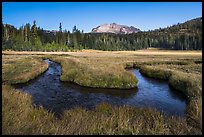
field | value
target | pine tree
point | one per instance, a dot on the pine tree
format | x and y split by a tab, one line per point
6	33
60	27
33	33
2	34
26	32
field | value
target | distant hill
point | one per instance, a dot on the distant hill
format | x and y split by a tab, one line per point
191	26
181	36
115	28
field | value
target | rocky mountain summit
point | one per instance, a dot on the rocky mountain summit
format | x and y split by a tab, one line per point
115	28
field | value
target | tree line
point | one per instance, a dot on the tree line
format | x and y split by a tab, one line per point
184	36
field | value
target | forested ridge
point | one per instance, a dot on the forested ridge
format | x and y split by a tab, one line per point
182	36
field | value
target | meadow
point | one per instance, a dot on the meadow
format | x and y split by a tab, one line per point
102	69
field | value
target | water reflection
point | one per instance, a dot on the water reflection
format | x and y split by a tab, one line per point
47	90
125	93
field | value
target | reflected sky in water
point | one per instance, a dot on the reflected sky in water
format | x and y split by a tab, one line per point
47	90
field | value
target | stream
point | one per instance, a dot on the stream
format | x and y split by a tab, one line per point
48	91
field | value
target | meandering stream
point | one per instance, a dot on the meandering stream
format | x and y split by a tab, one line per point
47	90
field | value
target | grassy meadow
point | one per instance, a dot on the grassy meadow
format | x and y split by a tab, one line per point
21	69
102	69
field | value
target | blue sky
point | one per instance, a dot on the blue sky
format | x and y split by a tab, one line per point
87	15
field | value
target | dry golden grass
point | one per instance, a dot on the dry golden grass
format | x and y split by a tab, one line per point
19	117
21	69
184	78
91	73
25	119
112	53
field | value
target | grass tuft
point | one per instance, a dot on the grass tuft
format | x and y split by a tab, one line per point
102	69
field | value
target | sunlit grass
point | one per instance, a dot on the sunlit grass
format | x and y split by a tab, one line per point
186	79
95	73
104	119
102	69
21	69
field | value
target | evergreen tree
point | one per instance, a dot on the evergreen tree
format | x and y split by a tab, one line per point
33	33
60	27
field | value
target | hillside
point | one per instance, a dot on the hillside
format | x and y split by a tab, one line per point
182	36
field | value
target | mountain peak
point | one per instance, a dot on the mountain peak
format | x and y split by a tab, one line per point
114	23
115	28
